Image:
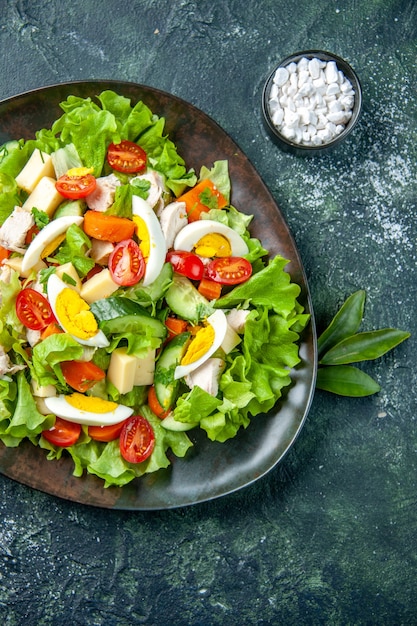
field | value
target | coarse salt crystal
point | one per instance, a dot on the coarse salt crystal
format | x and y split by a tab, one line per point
274	91
281	76
331	72
314	68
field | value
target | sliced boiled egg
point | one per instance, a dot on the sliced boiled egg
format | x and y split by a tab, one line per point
73	314
205	342
42	246
87	410
152	241
209	238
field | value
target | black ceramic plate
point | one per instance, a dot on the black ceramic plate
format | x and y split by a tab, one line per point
210	469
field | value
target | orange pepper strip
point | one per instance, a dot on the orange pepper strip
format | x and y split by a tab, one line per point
154	404
209	289
196	198
175	326
51	329
108	227
4	254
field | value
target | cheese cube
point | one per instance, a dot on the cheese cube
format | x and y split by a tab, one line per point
145	369
42	391
44	197
67	269
15	263
99	286
122	370
39	165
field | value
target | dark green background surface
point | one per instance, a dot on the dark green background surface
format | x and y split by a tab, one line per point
328	537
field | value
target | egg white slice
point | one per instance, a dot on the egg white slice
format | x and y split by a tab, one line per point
54	288
46	236
59	406
189	236
219	323
157	243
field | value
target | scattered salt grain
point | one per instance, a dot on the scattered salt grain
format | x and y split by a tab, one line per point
311	101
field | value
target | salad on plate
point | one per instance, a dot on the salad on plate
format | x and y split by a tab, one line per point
135	304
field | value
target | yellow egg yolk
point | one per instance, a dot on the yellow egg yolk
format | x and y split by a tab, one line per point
213	244
47	251
74	314
143	235
199	345
76	172
90	403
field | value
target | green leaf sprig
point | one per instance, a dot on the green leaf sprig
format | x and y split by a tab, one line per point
341	344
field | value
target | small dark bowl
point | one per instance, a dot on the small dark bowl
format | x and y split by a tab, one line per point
300	149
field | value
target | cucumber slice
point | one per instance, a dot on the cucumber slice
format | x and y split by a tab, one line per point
166	387
117	314
169	423
186	301
73	207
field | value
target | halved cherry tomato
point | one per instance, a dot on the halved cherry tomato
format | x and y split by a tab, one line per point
75	187
154	405
137	439
108	227
186	263
126	263
105	433
63	433
229	270
82	375
33	309
126	157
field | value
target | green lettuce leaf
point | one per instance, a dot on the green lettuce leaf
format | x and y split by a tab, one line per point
271	287
219	175
9	195
49	353
75	249
25	420
10	326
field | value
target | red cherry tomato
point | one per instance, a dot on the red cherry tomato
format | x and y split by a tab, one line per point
126	263
137	439
81	375
105	433
229	270
75	187
63	433
33	309
126	157
186	263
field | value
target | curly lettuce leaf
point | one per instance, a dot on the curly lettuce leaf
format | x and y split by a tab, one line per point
75	250
271	287
25	419
10	326
219	175
49	353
